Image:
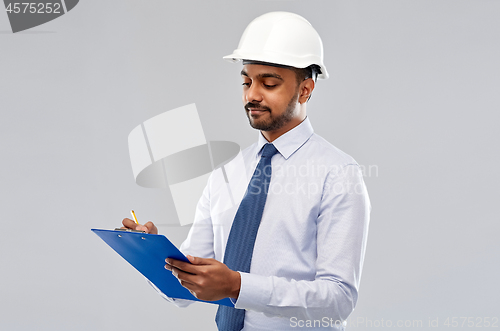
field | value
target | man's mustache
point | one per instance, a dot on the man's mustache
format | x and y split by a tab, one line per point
256	106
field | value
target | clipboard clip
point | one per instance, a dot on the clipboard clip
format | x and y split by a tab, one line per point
129	230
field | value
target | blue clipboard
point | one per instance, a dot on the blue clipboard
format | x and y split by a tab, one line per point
147	253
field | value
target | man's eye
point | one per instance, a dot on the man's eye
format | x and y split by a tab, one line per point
246	84
269	86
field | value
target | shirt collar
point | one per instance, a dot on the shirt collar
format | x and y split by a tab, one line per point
291	140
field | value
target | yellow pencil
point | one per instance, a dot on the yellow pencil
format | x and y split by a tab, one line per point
135	218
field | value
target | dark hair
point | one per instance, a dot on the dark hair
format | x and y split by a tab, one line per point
302	74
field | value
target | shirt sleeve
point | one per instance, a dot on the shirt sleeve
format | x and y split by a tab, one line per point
181	303
342	228
199	241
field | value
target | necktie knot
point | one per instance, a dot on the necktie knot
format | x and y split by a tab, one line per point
269	150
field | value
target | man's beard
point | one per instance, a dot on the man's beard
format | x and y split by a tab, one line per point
273	123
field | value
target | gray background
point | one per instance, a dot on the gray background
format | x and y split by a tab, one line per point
414	91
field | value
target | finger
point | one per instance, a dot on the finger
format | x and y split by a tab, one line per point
129	224
191	287
183	276
151	228
185	266
141	228
199	260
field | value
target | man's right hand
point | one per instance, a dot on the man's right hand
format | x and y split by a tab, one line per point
149	227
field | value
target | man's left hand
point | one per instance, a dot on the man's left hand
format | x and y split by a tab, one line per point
206	279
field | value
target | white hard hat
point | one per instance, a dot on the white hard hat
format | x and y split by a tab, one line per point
281	38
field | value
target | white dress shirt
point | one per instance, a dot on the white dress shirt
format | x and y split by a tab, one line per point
309	250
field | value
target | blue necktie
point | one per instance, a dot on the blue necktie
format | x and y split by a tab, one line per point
241	240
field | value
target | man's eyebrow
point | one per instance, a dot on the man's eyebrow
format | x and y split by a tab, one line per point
270	75
266	75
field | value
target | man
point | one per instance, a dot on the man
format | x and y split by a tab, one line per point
293	246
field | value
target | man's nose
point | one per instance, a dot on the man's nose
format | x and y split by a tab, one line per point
253	94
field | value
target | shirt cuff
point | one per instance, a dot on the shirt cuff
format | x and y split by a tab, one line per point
255	292
181	303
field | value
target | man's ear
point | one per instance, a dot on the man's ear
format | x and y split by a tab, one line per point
306	88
